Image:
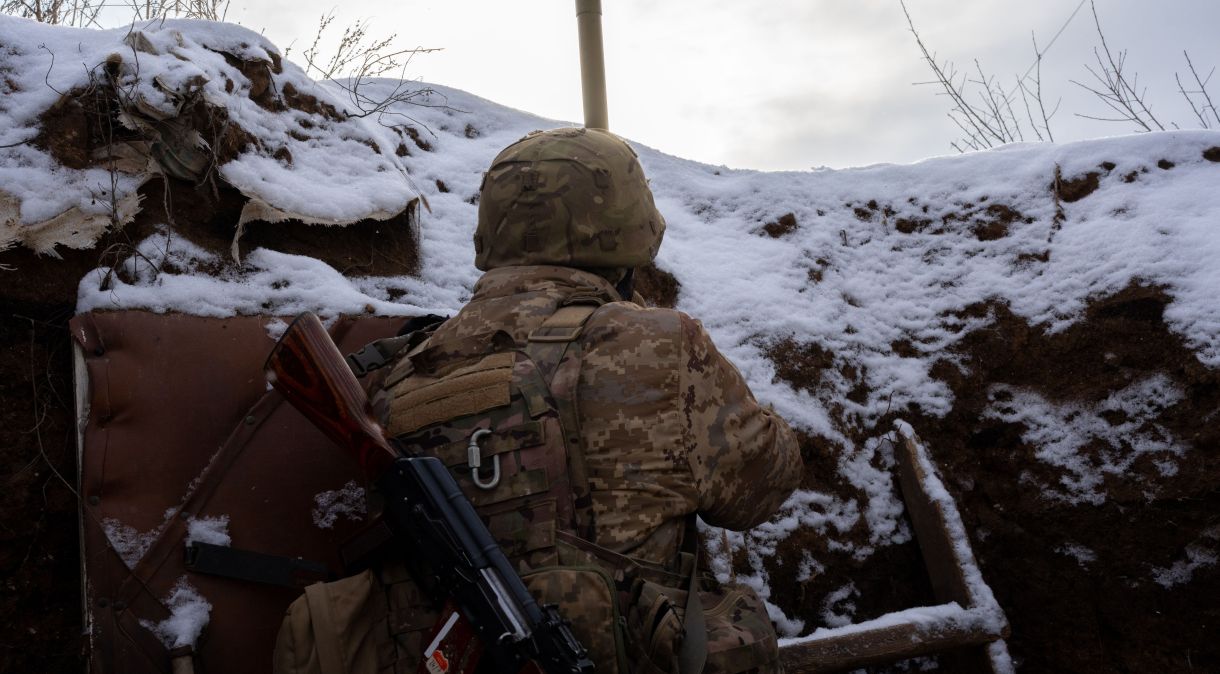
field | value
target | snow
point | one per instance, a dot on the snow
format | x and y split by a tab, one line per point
349	502
189	615
130	543
838	609
127	541
1062	431
350	165
212	530
1083	556
1198	555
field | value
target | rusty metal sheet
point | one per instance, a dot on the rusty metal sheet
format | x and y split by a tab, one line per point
178	423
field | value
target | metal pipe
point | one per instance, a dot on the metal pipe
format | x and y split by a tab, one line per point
592	63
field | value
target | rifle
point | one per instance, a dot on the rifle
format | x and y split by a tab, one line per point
426	509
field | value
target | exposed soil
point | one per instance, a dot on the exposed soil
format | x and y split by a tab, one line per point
785	224
1075	189
366	248
1067	615
657	286
40	622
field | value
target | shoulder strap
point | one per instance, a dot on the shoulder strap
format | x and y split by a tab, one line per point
555	349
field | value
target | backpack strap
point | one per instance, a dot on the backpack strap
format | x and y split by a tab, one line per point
556	350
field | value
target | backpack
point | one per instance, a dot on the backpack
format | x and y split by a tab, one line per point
503	417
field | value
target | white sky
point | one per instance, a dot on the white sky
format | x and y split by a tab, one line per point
775	84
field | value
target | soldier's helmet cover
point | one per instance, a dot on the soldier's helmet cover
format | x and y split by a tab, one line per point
571	197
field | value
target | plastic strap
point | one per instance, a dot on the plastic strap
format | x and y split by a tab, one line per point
376	354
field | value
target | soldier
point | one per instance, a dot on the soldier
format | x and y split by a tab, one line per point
599	428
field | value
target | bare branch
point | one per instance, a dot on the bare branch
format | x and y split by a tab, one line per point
1201	111
1117	90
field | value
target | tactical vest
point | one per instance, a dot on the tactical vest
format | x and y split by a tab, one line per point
503	417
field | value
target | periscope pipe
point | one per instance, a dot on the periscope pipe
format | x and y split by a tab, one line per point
592	63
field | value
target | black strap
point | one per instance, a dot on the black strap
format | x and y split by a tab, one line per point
376	354
255	567
379	353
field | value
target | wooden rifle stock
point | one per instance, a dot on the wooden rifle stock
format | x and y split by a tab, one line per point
307	369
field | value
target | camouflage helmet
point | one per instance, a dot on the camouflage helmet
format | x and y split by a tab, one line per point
570	197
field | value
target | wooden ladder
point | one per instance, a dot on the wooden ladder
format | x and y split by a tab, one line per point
967	628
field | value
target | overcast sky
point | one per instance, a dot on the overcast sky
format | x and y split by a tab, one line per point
777	84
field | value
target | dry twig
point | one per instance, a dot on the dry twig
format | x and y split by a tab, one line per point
1114	88
1200	109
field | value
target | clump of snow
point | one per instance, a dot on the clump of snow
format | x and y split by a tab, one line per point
1089	442
189	615
130	543
1198	555
347	502
809	568
1083	556
212	530
127	541
838	609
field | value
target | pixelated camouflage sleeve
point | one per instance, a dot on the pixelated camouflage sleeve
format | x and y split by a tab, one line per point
743	457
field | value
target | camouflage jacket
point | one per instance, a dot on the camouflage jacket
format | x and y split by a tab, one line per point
669	426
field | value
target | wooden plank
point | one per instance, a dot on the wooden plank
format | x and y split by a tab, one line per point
880	645
935	542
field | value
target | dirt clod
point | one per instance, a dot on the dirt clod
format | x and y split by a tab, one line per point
1212	153
420	142
786	224
911	225
1075	189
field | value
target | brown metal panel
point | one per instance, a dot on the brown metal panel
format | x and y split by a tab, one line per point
181	423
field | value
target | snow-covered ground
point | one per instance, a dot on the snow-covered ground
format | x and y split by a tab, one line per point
870	258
